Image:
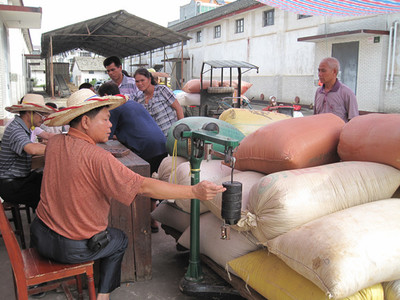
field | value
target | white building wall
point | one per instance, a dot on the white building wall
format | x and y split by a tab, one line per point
18	66
4	72
288	68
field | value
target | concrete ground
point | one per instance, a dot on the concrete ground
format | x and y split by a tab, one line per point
168	268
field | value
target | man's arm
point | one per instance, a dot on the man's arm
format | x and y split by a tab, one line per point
157	189
46	135
35	148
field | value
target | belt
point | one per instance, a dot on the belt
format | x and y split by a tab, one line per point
7	180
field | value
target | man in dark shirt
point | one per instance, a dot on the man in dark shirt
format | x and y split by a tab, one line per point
136	129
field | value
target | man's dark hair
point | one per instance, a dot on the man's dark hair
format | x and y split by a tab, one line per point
144	72
108	88
85	85
51	104
112	59
91	114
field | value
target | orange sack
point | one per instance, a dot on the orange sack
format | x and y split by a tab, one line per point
291	144
193	86
372	137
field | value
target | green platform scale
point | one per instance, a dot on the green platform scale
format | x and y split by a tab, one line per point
196	282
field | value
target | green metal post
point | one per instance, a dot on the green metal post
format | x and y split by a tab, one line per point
194	272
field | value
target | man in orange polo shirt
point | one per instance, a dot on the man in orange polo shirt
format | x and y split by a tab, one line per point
79	181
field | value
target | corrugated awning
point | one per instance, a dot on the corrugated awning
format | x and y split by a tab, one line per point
119	33
230	64
336	7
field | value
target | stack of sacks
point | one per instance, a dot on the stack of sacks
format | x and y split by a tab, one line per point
212	170
195	123
345	251
191	92
273	279
285	200
193	86
244	86
219	250
330	226
248	121
291	144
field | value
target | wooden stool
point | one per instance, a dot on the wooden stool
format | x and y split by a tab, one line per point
30	269
16	218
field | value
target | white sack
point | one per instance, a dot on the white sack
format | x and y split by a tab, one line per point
166	170
169	214
346	251
284	200
211	244
209	170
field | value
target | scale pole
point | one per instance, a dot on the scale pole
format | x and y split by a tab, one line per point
194	272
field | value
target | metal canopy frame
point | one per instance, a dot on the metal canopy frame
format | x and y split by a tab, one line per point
119	33
241	66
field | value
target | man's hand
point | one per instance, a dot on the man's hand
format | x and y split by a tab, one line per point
207	190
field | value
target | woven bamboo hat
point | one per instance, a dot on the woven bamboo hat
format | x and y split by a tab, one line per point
31	102
81	102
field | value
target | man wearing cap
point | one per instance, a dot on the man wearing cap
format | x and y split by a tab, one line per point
126	84
18	183
79	181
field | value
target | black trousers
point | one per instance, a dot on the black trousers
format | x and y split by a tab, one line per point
155	162
25	190
58	248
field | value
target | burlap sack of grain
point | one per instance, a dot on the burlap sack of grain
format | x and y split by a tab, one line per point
248	179
392	290
372	137
345	251
291	144
166	170
211	170
285	200
274	280
249	120
193	86
211	244
194	123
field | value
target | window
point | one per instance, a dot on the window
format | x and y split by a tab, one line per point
269	16
303	16
239	26
198	36
217	31
91	72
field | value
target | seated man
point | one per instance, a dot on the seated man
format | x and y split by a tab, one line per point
18	183
137	130
79	181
